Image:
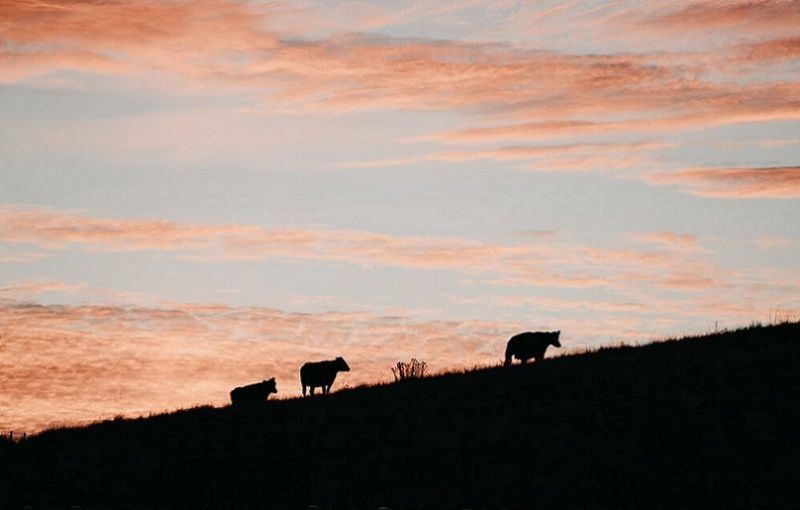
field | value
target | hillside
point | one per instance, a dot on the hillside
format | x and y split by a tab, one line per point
701	422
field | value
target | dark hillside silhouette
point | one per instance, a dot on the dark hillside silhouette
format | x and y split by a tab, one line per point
706	422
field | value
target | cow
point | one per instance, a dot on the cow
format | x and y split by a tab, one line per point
530	345
253	393
321	374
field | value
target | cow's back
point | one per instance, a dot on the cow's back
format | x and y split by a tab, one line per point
257	392
243	394
317	373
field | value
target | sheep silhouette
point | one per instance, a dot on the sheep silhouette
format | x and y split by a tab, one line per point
530	345
253	393
321	374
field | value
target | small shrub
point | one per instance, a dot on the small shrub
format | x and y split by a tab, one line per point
414	369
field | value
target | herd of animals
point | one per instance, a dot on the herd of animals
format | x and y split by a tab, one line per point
321	374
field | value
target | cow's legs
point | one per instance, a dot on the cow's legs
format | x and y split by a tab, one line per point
312	390
304	390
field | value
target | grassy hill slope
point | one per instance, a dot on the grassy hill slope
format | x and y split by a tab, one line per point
705	422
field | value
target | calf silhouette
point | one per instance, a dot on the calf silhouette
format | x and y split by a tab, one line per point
321	374
253	393
530	345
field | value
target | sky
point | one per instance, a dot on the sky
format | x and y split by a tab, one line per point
200	195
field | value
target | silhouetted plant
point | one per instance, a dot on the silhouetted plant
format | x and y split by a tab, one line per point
414	369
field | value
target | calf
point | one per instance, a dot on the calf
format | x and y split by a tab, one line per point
253	393
321	374
530	345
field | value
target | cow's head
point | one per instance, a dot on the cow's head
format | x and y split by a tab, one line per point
554	341
270	386
341	365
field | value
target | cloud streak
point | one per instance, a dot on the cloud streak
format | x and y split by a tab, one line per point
239	44
237	47
767	182
34	287
569	157
745	15
774	50
539	264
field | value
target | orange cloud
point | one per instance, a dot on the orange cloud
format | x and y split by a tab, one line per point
378	163
538	264
125	36
549	303
692	281
74	364
17	66
230	42
777	49
769	242
541	264
670	240
31	288
746	15
575	156
534	152
241	46
768	182
79	363
9	256
677	109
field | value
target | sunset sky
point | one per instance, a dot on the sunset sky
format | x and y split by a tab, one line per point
199	195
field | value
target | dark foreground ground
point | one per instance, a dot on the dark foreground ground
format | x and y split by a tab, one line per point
707	422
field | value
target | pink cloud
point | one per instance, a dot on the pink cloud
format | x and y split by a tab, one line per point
9	256
744	15
19	65
379	163
593	162
575	156
21	288
534	152
670	240
236	43
534	263
241	46
770	242
691	281
79	363
157	34
777	49
768	182
549	303
667	110
60	229
74	364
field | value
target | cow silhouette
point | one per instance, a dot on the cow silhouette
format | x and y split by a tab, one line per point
321	374
530	345
253	393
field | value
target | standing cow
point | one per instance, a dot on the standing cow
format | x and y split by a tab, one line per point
530	345
321	374
253	393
